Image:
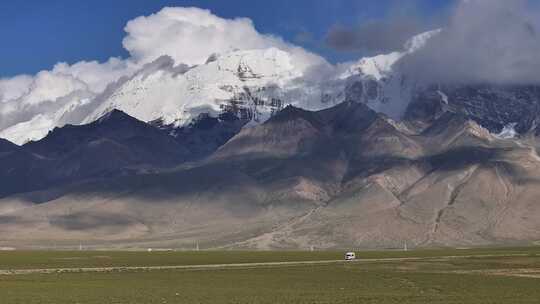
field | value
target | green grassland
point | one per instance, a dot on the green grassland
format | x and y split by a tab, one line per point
503	275
77	259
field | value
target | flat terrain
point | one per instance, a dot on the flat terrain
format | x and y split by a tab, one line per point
505	275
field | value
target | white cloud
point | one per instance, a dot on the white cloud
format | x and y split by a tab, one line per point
49	86
97	75
41	94
191	35
486	41
15	87
30	101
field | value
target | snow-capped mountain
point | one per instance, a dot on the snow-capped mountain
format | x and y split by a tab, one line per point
379	82
255	84
249	83
252	84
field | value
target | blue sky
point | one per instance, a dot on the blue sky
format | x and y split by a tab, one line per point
37	34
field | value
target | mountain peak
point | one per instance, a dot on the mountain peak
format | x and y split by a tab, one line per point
349	116
114	115
115	126
291	112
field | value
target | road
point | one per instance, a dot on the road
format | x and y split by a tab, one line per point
236	265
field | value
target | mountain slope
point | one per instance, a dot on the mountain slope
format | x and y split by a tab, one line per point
140	139
346	177
205	134
116	144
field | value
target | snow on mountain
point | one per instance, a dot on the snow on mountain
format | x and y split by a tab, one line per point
34	129
252	84
39	125
243	81
377	67
508	131
378	81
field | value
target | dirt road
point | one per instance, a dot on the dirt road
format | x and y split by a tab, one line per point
235	265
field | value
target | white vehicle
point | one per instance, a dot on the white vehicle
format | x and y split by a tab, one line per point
350	256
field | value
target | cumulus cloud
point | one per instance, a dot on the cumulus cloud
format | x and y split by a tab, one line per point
386	35
49	86
192	35
39	95
15	87
485	41
97	75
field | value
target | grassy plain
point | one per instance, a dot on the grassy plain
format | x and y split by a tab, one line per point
488	275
